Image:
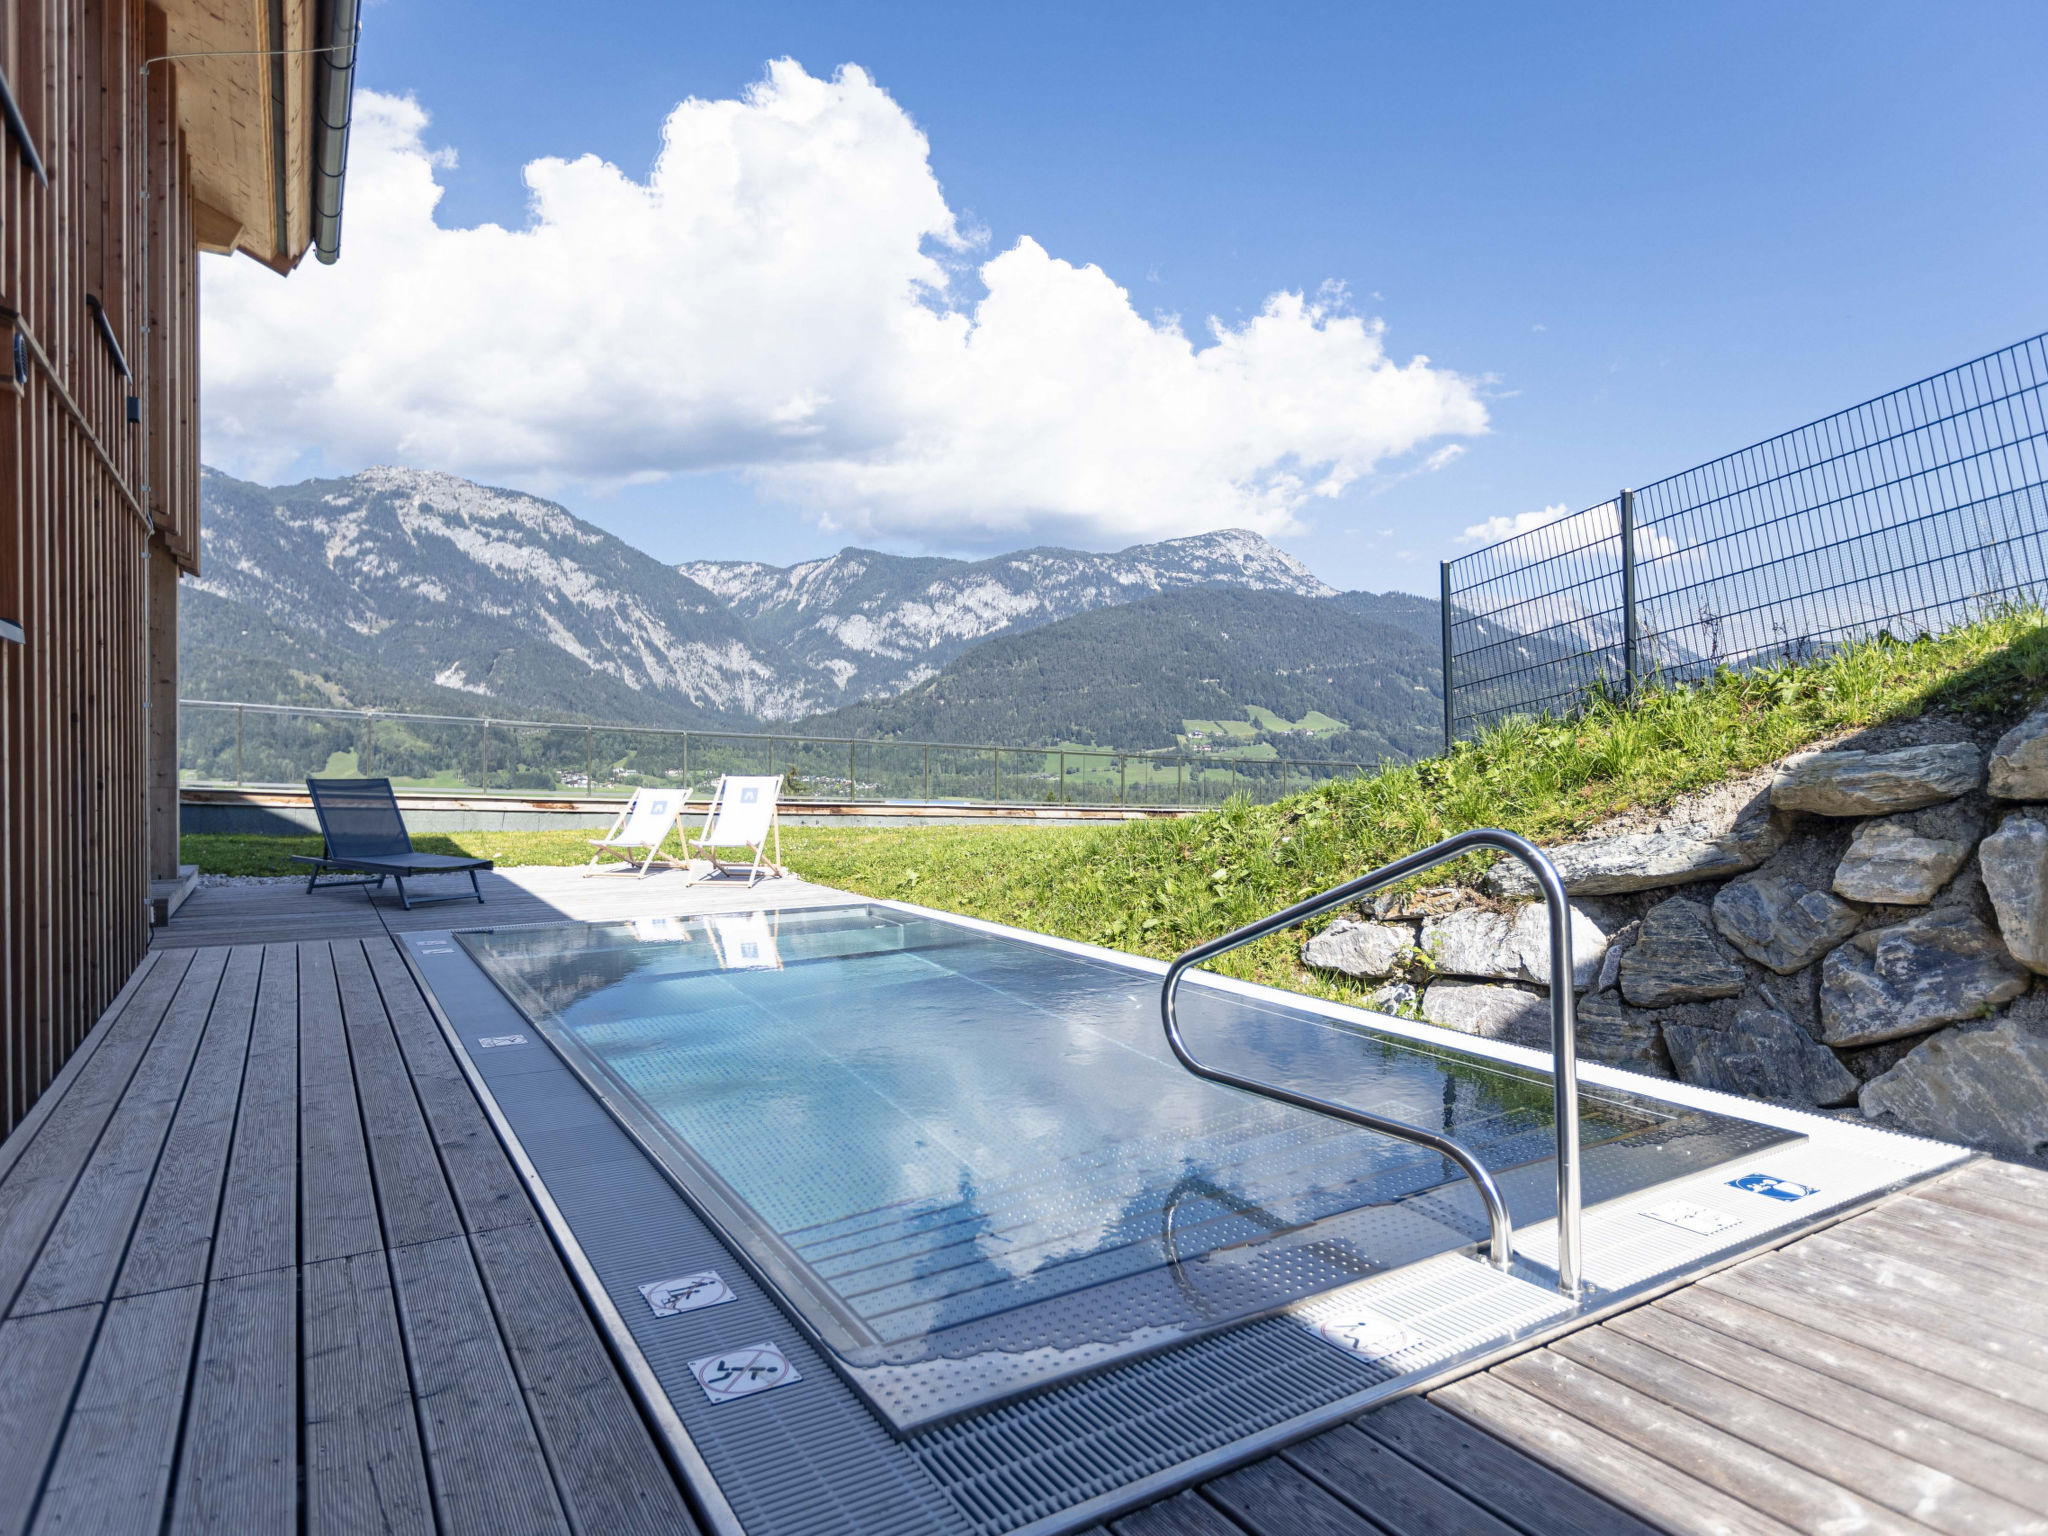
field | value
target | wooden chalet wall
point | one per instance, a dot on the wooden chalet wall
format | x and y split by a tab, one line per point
82	485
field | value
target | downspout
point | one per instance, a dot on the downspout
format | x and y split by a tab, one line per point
334	83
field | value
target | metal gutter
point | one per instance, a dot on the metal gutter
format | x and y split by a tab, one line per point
334	82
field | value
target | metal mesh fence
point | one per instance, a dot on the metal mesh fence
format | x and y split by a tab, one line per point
1907	514
278	746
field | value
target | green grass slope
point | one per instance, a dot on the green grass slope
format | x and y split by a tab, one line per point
1158	887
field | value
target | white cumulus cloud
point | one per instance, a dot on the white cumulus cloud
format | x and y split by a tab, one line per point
782	296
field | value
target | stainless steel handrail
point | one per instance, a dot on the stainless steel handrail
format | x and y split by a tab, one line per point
1563	1038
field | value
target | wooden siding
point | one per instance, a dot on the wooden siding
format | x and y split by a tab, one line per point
80	487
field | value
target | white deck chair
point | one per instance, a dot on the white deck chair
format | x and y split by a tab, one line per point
645	822
743	813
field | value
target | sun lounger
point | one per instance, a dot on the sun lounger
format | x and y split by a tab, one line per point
743	814
366	837
644	823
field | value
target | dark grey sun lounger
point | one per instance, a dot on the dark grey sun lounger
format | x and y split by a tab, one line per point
366	837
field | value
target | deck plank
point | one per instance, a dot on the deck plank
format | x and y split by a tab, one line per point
1954	1195
1893	1376
258	1227
112	1471
611	1476
1648	1484
363	1467
1272	1498
484	1458
1702	1449
1968	1345
173	1238
412	1195
2011	1251
1932	1277
44	1355
82	1254
1379	1482
486	1186
40	1182
338	1214
1495	1475
16	1141
1185	1514
2010	1181
1824	1431
240	1467
1923	1438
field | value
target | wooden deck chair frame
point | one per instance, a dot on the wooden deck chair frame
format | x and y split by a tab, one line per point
612	841
708	848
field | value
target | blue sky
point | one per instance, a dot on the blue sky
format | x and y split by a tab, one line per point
1646	234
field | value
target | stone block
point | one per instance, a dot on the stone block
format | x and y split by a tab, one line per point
1496	1011
2014	860
1512	946
1983	1085
1611	1034
1902	861
1940	968
1642	861
1678	959
1361	949
1780	921
1877	783
1763	1055
2019	763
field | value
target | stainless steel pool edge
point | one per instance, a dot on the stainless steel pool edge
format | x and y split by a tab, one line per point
692	1472
1211	1464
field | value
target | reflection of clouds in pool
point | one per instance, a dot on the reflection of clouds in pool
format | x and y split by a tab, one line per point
997	1108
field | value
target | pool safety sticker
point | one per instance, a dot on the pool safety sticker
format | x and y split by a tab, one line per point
1693	1218
743	1372
488	1041
1773	1188
686	1293
1366	1335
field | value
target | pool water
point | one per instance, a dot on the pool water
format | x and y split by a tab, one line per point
969	1163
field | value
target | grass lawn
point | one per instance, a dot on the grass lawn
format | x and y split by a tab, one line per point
1156	887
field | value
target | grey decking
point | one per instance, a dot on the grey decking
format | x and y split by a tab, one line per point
263	1265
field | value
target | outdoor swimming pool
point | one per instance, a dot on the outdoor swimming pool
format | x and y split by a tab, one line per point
969	1166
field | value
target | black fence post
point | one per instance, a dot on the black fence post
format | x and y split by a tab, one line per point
1449	704
1628	594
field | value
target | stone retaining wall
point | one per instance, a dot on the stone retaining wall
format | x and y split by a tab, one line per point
1863	928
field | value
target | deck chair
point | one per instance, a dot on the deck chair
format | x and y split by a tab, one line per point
743	813
365	837
645	822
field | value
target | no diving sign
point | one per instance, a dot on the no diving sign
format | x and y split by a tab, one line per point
686	1293
743	1372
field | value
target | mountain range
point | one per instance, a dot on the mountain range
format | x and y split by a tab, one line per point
413	589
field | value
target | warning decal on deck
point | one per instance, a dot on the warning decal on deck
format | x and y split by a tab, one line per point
686	1293
488	1041
1773	1188
743	1372
1693	1218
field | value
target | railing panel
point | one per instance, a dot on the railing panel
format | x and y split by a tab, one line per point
1907	514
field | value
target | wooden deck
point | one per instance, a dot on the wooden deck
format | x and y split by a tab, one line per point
264	1267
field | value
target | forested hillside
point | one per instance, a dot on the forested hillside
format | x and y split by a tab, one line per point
1130	676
